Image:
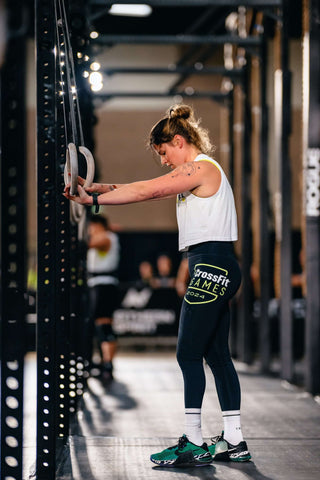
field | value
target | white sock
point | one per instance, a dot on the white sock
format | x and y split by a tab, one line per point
193	425
232	426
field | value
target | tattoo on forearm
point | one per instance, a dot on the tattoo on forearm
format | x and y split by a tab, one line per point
105	187
158	194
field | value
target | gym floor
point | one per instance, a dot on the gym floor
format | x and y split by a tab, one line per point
141	412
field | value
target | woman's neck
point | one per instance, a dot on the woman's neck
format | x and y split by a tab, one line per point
192	154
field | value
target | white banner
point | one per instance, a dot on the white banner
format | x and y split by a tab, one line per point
312	182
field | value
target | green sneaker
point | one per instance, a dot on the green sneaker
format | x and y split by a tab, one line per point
184	454
222	450
218	447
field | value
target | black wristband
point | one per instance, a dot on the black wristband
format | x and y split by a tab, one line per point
95	202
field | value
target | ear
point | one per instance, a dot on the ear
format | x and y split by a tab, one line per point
178	141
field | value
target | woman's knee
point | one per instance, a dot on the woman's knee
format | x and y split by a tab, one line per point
218	359
181	358
188	359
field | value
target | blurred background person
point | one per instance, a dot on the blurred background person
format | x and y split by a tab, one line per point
165	277
146	275
103	258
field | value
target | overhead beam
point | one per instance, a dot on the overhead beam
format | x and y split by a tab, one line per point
213	95
175	69
195	3
193	51
178	39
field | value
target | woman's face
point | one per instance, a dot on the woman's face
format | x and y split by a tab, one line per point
171	154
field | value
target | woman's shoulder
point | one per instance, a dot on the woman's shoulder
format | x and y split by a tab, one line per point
206	158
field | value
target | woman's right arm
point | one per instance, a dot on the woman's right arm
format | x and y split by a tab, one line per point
100	187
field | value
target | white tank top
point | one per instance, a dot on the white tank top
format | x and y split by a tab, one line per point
105	263
207	219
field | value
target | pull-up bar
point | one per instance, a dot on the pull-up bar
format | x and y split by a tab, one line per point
178	39
218	96
175	69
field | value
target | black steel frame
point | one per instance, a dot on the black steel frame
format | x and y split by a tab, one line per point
265	268
286	328
53	308
13	247
61	270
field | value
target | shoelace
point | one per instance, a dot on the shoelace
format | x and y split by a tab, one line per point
216	439
182	442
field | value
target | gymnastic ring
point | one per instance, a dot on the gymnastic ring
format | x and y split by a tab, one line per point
82	226
90	166
71	176
76	212
79	215
71	168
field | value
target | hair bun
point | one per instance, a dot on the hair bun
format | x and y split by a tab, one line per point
180	111
180	120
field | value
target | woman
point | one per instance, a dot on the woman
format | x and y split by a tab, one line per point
207	227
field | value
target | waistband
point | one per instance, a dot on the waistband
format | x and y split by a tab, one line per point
113	273
212	247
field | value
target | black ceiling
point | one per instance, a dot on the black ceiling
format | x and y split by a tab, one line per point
162	21
186	18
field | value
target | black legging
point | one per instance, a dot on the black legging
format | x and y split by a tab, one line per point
204	324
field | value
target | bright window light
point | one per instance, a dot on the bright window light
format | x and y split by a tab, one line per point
131	10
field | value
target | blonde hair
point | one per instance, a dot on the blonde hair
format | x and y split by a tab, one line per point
180	120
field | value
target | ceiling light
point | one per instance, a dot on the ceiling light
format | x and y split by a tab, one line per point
97	87
131	10
95	78
95	66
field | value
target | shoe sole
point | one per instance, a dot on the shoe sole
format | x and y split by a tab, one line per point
225	457
181	465
185	462
246	458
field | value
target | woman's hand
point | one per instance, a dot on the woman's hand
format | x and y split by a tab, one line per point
99	187
94	187
83	198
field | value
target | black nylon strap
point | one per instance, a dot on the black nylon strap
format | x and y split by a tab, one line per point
95	202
